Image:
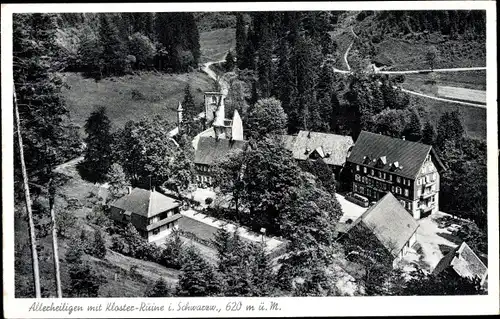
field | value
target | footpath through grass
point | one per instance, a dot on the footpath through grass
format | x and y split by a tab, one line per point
215	44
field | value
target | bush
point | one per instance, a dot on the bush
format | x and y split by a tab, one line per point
137	95
65	221
209	200
99	216
117	244
98	247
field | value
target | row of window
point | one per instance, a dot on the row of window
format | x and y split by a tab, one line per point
400	191
204	168
371	182
161	216
385	176
432	189
407	205
156	231
427	178
382	186
203	179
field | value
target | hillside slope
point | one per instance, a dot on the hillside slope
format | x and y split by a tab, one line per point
401	40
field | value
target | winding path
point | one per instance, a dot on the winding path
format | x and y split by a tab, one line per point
348	71
224	87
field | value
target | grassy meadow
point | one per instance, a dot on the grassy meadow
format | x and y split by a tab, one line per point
215	44
132	97
473	118
410	54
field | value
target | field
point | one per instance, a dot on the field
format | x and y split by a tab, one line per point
474	118
475	80
132	97
462	94
410	55
215	44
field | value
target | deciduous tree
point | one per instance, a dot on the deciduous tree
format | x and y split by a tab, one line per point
266	118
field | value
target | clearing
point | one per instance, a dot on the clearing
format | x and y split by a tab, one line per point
462	94
425	82
132	97
473	118
215	44
410	54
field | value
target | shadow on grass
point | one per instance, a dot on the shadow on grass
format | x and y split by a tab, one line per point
86	174
450	238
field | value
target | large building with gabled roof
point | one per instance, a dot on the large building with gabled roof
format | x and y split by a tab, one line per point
389	223
211	150
153	214
379	164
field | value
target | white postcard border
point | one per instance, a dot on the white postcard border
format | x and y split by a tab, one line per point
310	306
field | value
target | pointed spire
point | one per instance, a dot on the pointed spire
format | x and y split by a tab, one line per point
237	127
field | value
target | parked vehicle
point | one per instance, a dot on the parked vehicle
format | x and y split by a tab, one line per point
358	199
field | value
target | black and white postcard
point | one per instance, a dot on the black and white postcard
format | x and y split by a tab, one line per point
244	159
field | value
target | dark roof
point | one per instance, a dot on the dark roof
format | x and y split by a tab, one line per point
464	262
389	222
332	148
210	149
145	203
409	155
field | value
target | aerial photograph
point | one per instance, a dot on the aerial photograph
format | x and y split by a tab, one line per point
250	154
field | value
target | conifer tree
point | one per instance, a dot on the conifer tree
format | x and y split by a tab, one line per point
450	128
265	68
198	278
241	39
98	155
286	86
306	60
229	64
47	139
98	247
263	278
428	134
189	125
413	129
113	47
84	281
